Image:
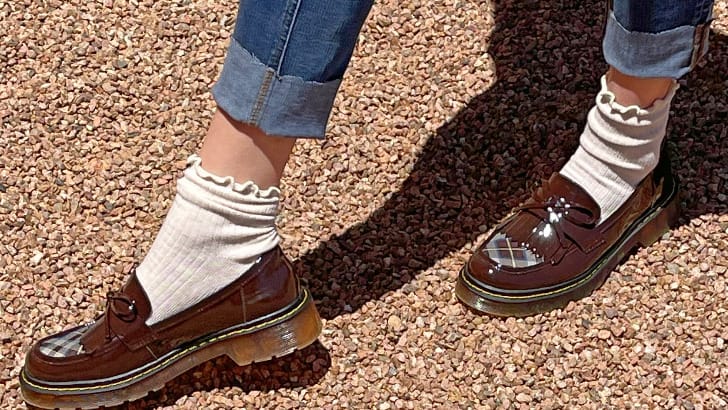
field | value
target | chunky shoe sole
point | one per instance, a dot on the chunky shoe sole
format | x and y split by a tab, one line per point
517	303
275	335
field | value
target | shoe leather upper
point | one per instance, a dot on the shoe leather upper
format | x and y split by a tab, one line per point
120	341
555	235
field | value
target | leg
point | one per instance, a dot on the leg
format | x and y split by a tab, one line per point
277	84
665	41
228	141
614	194
215	282
648	44
642	92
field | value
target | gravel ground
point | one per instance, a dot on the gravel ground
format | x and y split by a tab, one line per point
450	112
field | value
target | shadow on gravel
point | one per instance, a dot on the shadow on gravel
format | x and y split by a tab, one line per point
303	368
486	160
483	163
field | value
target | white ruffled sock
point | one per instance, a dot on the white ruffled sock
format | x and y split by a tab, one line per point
213	233
618	148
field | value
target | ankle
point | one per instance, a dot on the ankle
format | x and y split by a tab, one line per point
642	92
214	232
244	152
619	146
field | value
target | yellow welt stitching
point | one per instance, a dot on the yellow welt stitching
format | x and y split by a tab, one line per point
176	356
573	285
465	278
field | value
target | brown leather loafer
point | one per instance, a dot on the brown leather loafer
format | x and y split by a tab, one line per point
117	358
552	249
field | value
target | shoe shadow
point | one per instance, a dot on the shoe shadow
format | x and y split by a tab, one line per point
302	368
486	159
698	134
481	164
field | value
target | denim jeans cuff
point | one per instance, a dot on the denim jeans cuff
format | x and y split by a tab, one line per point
286	106
671	53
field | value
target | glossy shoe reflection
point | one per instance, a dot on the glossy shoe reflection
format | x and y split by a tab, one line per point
117	358
553	249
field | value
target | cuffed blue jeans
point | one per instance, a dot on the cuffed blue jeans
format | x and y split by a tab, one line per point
286	58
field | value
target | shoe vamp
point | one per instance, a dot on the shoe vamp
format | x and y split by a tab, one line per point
528	236
64	358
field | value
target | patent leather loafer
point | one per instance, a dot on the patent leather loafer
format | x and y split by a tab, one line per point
553	249
118	357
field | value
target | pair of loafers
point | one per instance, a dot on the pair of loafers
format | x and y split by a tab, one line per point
551	250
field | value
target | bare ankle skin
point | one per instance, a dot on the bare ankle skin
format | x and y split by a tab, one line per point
244	151
629	90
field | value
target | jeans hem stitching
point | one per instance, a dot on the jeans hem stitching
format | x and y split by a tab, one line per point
262	94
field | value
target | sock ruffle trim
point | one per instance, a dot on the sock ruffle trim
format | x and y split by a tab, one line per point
607	97
245	188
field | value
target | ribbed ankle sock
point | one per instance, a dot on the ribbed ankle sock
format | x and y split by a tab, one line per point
214	232
619	147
